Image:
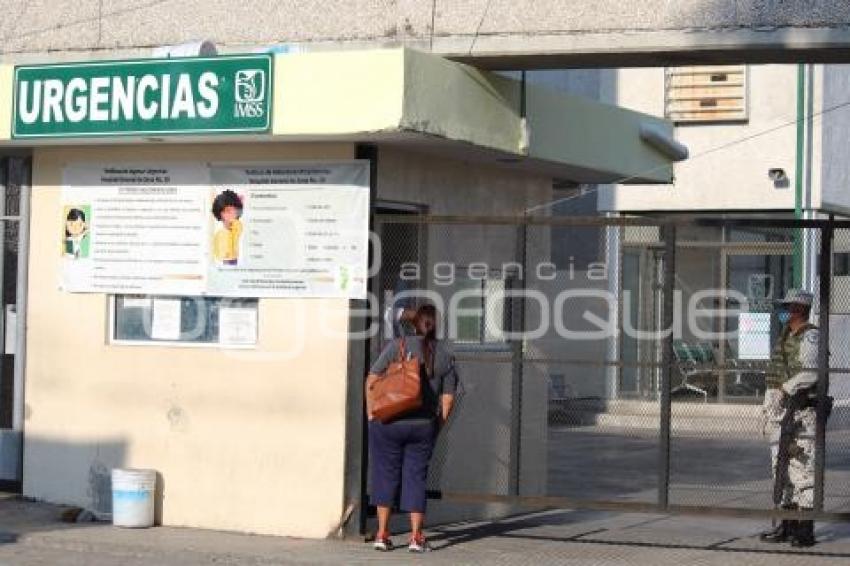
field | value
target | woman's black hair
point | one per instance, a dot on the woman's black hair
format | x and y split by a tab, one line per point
428	340
223	200
74	214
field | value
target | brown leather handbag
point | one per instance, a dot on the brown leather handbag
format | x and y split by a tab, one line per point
399	390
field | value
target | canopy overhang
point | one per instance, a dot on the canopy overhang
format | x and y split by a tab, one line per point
402	96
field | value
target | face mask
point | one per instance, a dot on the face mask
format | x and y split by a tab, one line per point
783	316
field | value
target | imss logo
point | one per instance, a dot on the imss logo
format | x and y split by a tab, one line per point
250	93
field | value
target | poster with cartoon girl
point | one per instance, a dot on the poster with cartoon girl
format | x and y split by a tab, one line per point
76	242
227	210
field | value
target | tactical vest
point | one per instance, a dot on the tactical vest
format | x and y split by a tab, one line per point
785	359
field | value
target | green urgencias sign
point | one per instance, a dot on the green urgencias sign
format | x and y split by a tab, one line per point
144	97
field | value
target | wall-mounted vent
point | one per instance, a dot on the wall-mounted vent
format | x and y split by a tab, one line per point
706	94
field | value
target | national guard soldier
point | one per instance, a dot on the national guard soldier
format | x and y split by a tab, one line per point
790	416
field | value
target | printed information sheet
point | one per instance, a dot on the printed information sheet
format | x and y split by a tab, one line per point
302	231
135	229
270	230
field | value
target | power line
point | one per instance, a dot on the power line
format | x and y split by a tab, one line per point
710	151
478	28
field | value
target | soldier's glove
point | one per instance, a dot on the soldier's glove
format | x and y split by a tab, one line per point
772	408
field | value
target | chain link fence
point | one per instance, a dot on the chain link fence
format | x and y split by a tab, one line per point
619	361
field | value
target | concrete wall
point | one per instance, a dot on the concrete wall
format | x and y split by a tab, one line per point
450	185
538	32
580	82
729	163
601	142
586	376
227	429
394	91
835	125
6	77
476	454
307	90
249	440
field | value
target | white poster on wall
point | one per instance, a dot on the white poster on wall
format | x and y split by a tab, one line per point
754	336
237	326
134	229
270	230
167	319
290	230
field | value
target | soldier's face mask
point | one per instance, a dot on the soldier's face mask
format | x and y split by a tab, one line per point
783	316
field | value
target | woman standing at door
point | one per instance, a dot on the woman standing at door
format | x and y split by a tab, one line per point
400	451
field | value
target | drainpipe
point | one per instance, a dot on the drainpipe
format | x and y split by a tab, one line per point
798	175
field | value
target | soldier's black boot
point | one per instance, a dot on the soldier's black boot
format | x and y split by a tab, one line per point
780	533
803	534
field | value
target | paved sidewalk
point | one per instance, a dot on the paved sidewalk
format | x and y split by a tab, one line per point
31	535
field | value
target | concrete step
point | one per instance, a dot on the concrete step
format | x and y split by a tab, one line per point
708	426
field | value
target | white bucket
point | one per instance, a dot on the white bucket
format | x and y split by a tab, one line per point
133	498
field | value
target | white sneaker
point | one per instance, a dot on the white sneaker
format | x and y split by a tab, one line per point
383	543
418	544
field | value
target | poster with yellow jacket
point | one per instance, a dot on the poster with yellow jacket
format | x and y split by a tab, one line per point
227	210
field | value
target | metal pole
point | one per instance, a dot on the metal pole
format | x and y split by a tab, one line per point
823	362
615	285
666	367
810	250
23	175
722	324
357	400
3	180
517	326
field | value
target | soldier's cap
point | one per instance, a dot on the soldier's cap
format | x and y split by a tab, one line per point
798	297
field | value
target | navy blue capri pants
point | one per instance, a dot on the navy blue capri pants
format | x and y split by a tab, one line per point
399	451
399	454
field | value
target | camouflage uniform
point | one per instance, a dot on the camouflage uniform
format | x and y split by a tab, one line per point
793	368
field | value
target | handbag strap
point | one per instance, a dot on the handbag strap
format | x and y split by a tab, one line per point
402	349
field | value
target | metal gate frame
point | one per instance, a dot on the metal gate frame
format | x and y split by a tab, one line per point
668	230
19	174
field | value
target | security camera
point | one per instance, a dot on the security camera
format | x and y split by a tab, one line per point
777	175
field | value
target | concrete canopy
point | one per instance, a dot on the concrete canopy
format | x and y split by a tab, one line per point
401	96
405	96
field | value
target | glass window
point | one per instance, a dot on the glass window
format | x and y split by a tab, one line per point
481	316
841	263
184	320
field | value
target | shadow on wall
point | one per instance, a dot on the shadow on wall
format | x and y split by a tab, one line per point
77	473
